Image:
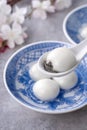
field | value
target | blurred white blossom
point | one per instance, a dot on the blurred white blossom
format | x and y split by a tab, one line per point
18	15
3	19
14	35
40	8
5	9
11	20
62	4
11	29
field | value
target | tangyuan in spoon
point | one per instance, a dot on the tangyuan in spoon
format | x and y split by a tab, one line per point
61	61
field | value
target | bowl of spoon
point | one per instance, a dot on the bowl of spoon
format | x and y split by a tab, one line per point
68	58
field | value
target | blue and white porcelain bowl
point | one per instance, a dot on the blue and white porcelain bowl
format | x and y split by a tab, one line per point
19	83
73	23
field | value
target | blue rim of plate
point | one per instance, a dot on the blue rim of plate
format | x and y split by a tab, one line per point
65	22
15	56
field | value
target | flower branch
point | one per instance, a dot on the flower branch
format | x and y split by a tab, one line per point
12	31
11	25
12	2
41	8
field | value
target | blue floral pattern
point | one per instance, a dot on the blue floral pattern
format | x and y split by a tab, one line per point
20	83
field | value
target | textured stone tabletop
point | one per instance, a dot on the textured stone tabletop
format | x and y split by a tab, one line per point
14	116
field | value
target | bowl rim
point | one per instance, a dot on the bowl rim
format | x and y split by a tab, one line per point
65	21
26	105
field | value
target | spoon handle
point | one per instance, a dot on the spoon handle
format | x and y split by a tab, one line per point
80	50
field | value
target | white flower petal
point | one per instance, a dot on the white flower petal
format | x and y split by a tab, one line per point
24	11
17	18
11	44
25	35
9	9
21	11
51	9
5	30
29	9
16	8
36	3
20	20
5	9
38	13
62	4
46	4
68	3
13	18
17	29
18	15
3	2
19	40
3	19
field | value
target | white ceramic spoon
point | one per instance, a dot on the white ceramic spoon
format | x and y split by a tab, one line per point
79	51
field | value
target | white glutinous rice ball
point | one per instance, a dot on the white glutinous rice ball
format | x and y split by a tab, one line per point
46	89
61	59
83	31
35	74
67	81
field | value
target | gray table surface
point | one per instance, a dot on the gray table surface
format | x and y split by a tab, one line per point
14	116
